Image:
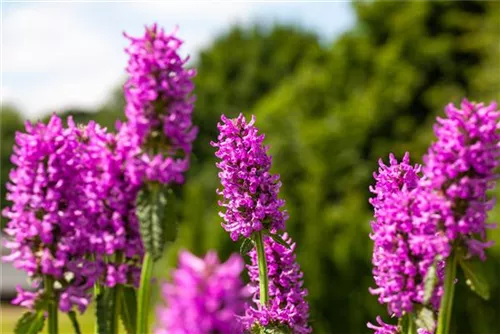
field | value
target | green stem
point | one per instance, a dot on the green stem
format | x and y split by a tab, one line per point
52	305
412	328
444	318
144	294
263	278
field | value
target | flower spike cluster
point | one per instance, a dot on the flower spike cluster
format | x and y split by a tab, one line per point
205	296
159	107
72	208
462	165
287	304
111	207
406	238
47	229
250	191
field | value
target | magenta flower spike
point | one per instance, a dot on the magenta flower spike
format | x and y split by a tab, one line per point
287	305
205	296
407	239
159	108
462	165
48	229
250	191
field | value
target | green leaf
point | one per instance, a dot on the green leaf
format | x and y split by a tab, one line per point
277	238
30	323
425	318
246	246
475	279
151	209
128	309
106	310
74	322
406	324
430	282
272	328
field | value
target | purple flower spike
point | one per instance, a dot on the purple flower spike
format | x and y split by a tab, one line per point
159	107
462	165
287	304
250	191
405	235
205	296
48	229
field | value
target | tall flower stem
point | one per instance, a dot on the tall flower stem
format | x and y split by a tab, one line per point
144	294
52	305
263	278
445	309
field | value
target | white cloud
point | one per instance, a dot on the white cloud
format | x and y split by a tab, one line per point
65	55
59	55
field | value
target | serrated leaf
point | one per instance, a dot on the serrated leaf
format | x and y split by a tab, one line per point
474	275
30	323
128	309
430	282
246	246
74	322
151	208
425	318
105	311
278	239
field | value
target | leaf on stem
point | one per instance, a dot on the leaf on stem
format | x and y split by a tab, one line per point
246	246
425	318
30	323
151	209
128	310
430	282
74	322
474	275
277	238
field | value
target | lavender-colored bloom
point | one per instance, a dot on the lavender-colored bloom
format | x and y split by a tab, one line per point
406	237
48	229
287	305
250	191
384	328
462	165
110	205
205	296
159	107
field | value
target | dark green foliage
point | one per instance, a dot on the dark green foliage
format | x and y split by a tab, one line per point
10	122
30	323
128	309
475	279
106	310
151	208
278	239
246	246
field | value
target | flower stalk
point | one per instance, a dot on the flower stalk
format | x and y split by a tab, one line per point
144	294
52	305
445	309
263	277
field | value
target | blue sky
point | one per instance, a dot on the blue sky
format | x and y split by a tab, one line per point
63	55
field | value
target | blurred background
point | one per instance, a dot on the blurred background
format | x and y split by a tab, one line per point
335	86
